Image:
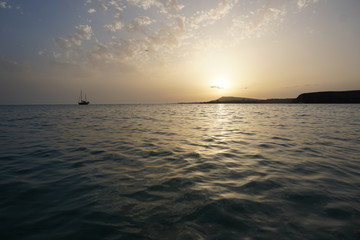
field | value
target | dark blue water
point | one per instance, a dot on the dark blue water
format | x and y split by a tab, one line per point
180	172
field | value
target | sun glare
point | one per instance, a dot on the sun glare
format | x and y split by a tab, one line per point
220	82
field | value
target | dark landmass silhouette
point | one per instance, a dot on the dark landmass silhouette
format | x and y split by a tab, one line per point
235	100
352	96
330	97
252	100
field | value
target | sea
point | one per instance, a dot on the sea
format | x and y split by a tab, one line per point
180	171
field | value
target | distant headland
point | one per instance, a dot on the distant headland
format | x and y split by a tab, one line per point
312	97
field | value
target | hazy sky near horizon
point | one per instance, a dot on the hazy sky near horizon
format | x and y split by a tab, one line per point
155	51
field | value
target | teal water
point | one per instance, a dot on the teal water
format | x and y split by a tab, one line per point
230	171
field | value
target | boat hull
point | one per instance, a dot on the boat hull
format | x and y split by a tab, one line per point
83	103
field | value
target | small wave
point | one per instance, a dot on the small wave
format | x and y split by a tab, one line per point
256	187
308	198
97	152
44	153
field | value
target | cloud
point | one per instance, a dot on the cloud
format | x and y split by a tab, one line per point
103	7
100	54
117	6
41	52
169	6
304	3
209	17
63	42
145	4
163	32
216	87
4	4
56	55
82	32
256	24
165	6
138	24
91	10
114	27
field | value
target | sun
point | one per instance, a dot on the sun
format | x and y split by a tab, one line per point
220	82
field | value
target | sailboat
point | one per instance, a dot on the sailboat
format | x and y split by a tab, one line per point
83	101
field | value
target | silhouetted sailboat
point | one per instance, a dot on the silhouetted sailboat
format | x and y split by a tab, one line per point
83	101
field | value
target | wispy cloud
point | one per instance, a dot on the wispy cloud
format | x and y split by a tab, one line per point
4	4
304	3
139	24
255	24
216	87
114	26
91	10
205	18
165	6
164	31
103	7
12	6
83	32
41	52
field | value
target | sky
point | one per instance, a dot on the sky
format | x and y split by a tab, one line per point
165	51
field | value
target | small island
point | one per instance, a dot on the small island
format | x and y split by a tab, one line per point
352	96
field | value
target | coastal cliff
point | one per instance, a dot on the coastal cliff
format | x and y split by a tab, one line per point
330	97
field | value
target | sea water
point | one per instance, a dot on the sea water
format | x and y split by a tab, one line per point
173	171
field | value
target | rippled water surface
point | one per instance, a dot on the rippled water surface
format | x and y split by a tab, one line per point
180	172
